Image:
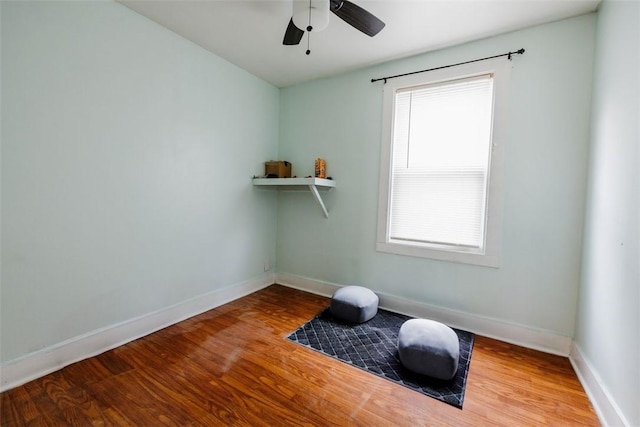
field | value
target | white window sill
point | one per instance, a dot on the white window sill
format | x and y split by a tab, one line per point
486	260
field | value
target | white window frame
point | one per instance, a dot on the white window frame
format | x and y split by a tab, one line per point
489	255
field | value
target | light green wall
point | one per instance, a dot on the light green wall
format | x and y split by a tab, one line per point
126	158
127	154
339	119
608	321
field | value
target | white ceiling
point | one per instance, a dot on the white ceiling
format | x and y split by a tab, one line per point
248	33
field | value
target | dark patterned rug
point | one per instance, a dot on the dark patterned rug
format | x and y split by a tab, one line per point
372	346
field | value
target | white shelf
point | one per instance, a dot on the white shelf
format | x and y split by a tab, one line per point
295	184
315	185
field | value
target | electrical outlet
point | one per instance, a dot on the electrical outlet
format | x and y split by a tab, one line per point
267	265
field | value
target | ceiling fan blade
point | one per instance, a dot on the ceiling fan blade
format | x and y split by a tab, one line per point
293	35
357	17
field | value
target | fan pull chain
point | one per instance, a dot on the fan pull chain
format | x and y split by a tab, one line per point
309	28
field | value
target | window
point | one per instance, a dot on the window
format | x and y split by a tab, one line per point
440	181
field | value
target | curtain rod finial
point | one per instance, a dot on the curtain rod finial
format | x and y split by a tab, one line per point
519	52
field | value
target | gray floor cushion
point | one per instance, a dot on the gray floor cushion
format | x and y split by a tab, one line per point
429	348
354	304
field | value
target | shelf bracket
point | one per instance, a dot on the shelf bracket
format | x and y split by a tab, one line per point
315	185
316	195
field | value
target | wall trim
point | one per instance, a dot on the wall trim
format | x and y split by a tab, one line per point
37	364
521	335
42	362
603	403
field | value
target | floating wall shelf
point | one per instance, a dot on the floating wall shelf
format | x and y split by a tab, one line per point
315	185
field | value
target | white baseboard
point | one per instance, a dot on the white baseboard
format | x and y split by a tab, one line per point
53	358
545	341
604	405
45	361
37	364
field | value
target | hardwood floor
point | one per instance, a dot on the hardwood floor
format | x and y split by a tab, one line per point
232	366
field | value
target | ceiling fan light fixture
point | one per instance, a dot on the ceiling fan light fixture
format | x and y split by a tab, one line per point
311	13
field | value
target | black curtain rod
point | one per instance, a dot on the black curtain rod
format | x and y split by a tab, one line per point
508	54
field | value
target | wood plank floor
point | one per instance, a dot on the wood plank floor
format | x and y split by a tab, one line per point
232	366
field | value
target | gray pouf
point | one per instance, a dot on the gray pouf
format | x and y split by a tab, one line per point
354	304
429	348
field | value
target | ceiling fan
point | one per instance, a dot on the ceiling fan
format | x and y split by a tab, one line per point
313	15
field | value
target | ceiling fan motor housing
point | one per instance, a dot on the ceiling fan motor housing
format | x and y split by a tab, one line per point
311	13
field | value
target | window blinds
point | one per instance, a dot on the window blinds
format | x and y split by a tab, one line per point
441	154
